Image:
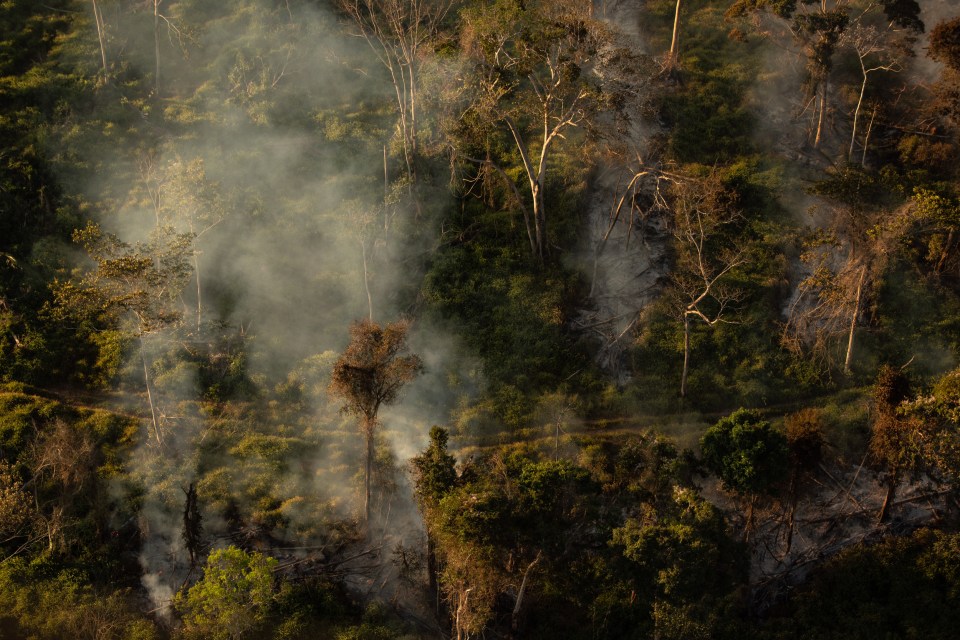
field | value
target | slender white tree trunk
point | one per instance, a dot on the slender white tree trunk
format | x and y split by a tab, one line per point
539	220
856	115
412	74
672	61
853	322
866	138
156	44
821	115
196	269
101	36
515	617
146	381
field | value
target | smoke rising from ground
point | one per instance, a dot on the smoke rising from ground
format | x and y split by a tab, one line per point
273	157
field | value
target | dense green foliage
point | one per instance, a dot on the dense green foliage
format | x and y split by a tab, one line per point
690	320
747	454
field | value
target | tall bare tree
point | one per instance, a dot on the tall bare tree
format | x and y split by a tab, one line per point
398	32
878	48
674	53
162	18
821	28
101	34
844	263
533	75
705	259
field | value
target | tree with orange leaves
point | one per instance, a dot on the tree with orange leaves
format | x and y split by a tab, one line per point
370	374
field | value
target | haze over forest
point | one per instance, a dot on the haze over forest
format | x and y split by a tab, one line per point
382	319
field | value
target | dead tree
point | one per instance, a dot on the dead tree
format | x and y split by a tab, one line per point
705	259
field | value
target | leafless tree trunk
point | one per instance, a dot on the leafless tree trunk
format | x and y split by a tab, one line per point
146	381
462	598
702	265
866	138
686	355
856	113
821	114
793	510
553	128
156	44
366	279
196	269
892	483
515	616
672	57
396	31
869	42
853	320
626	194
101	35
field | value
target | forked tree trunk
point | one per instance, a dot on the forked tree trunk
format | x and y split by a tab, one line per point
539	219
536	178
462	599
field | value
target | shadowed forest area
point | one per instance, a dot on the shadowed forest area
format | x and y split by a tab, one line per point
383	319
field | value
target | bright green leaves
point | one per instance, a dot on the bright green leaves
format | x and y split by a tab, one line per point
232	599
939	208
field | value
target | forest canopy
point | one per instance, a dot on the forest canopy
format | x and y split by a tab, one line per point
463	318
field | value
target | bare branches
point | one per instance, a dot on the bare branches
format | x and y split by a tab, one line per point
871	44
532	77
396	31
702	208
